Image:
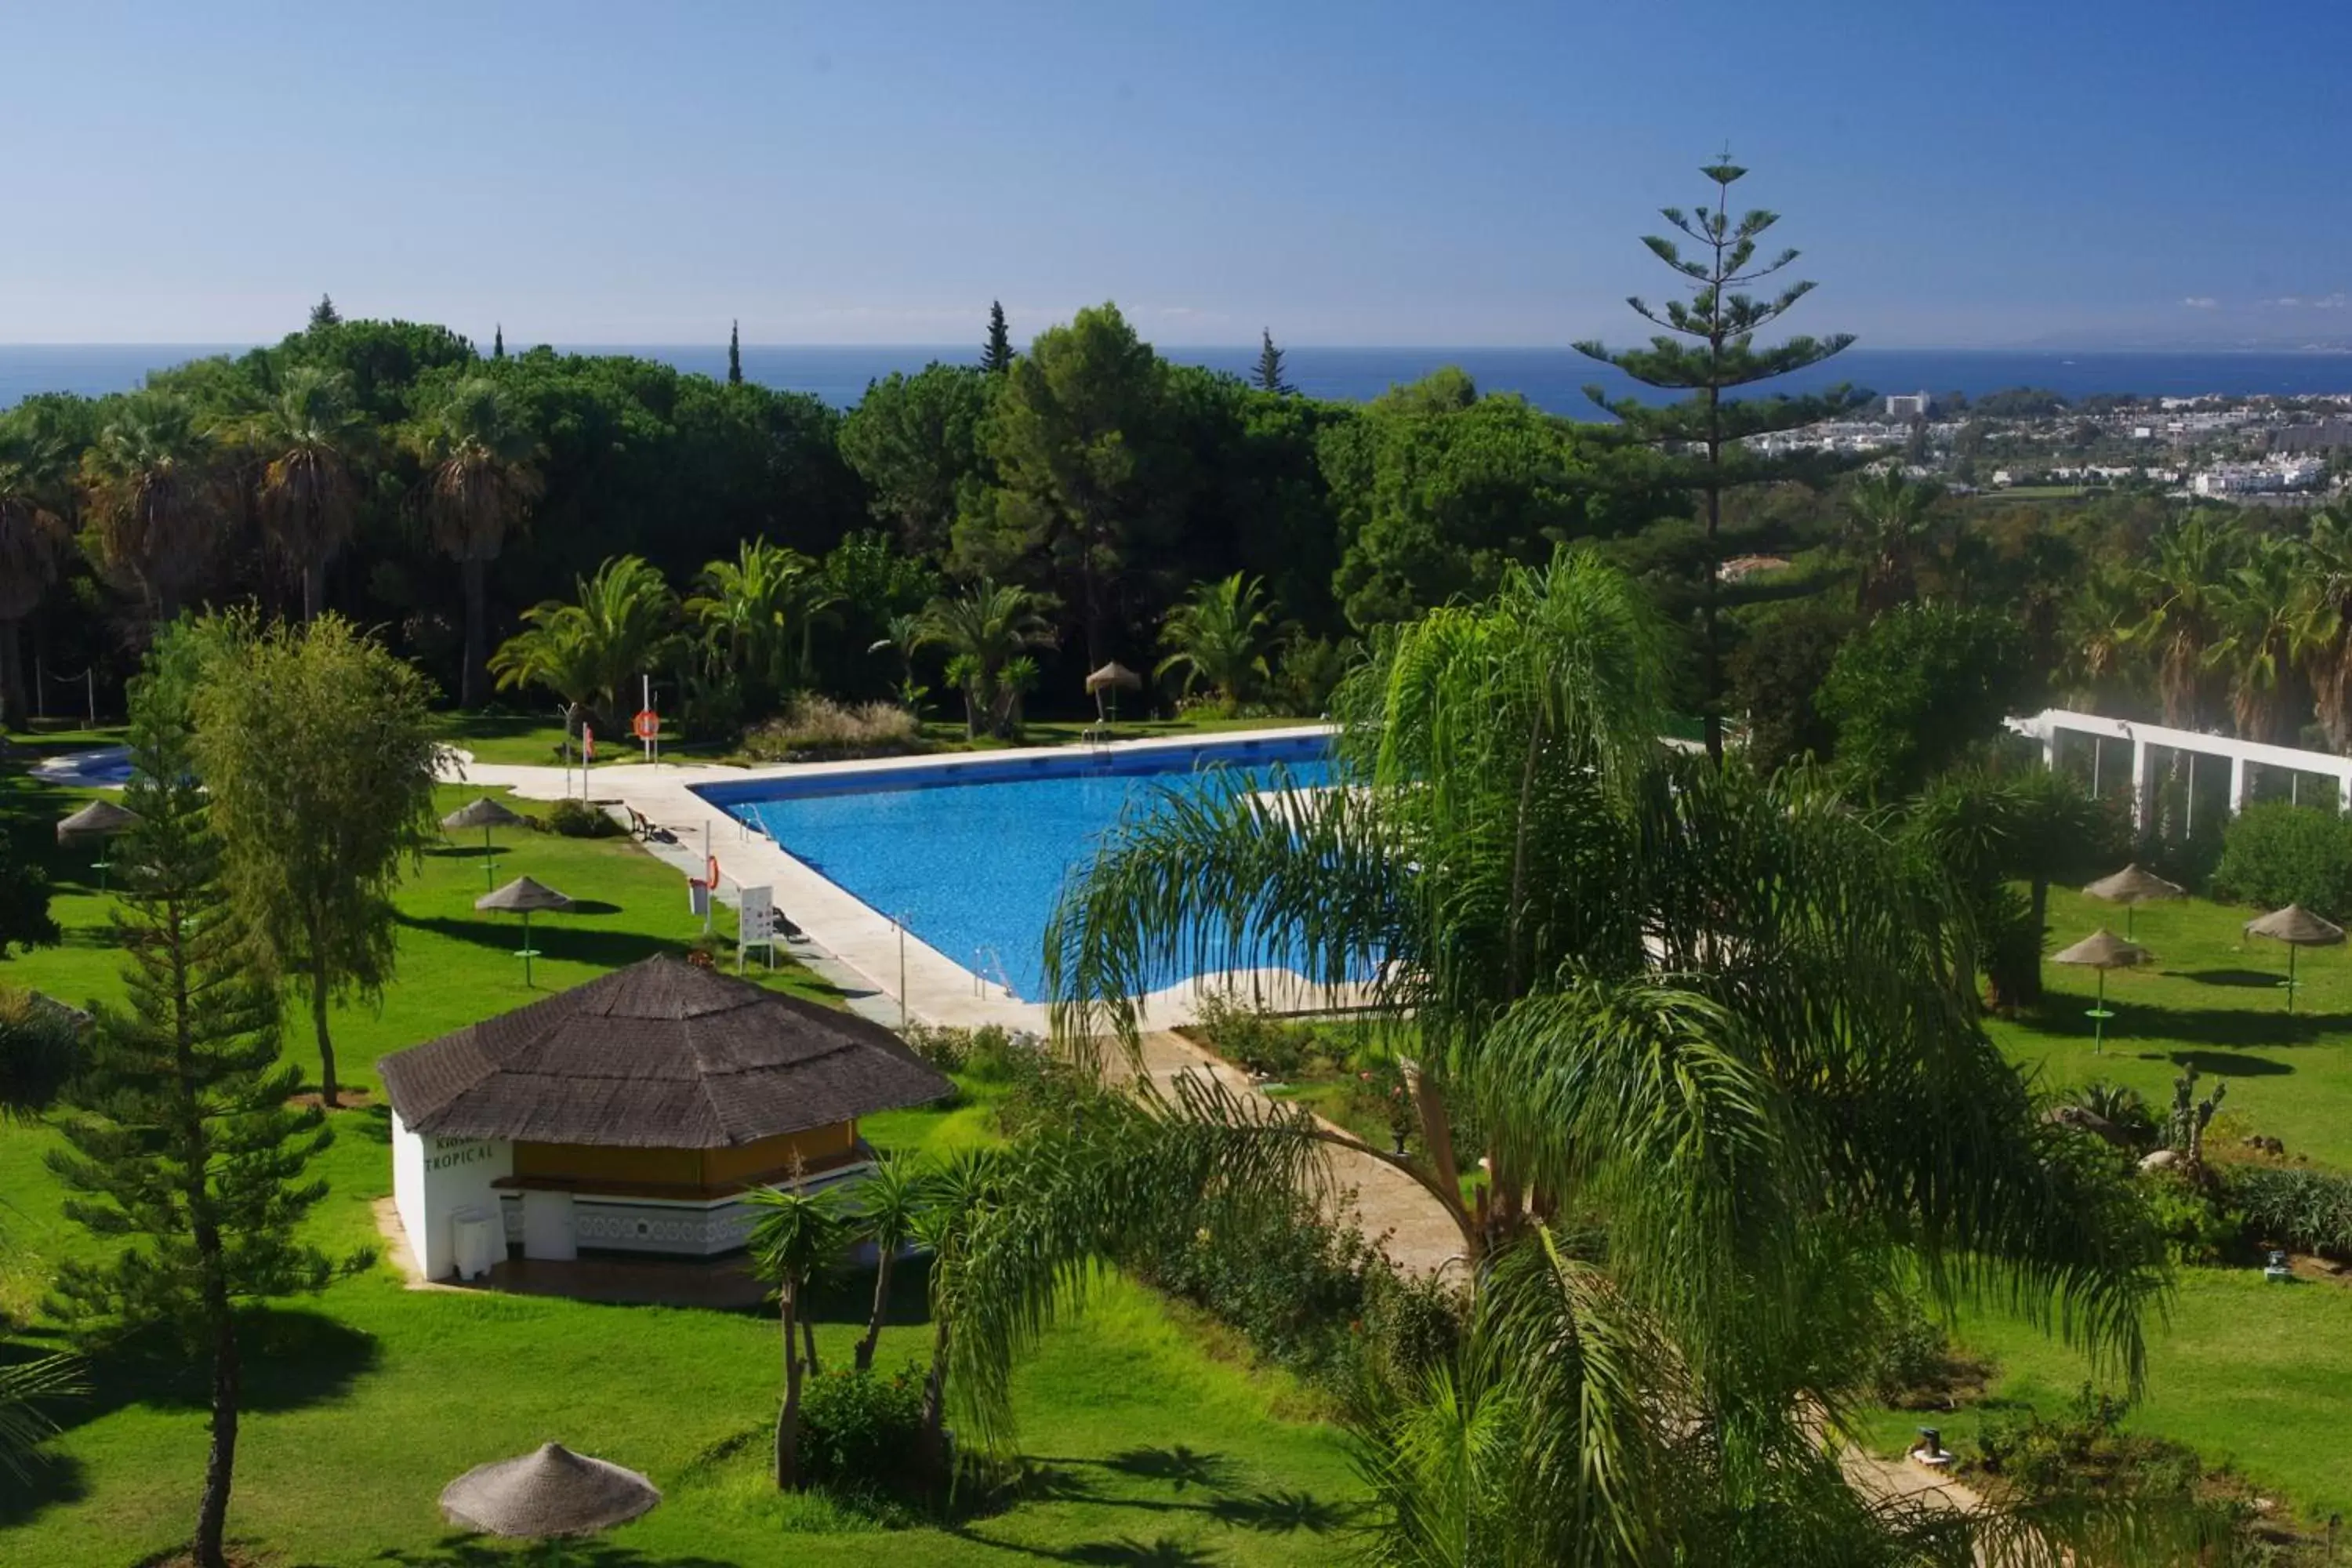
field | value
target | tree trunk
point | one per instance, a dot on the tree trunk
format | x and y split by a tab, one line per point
808	1338
314	590
12	674
211	1519
881	1300
788	1415
475	575
935	1397
1436	1132
330	1092
2027	982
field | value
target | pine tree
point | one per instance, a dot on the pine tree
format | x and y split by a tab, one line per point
997	357
498	341
1705	437
734	353
182	1148
324	314
1269	365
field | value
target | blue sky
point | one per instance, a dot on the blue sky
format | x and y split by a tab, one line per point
1342	170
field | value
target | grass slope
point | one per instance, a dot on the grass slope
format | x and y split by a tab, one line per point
1154	1445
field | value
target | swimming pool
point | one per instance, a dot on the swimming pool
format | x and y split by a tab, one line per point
971	856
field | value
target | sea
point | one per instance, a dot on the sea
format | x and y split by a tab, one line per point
1551	378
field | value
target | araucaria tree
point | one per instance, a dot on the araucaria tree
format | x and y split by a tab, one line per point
315	746
185	1158
1706	436
1269	366
996	355
734	353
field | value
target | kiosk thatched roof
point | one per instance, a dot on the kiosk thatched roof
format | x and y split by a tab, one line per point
2101	950
2297	925
2132	885
480	811
660	1054
99	819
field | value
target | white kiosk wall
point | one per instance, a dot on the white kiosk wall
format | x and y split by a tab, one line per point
433	1178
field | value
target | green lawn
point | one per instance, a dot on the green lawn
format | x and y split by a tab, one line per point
1153	1440
2250	1373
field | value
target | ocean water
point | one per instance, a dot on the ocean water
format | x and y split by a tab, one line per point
972	856
1551	378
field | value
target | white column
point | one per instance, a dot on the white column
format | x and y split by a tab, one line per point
2139	783
2237	785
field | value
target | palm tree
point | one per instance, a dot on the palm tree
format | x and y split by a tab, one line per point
2260	612
795	1239
1220	635
1717	1031
155	499
984	631
23	1389
33	538
758	615
2326	628
587	652
2191	557
481	476
2098	662
905	634
311	439
891	1202
1889	524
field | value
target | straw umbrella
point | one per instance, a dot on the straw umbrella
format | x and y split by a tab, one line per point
1110	677
484	814
2296	927
101	820
546	1496
2103	950
2131	888
522	896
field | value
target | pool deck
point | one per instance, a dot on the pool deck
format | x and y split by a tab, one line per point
849	943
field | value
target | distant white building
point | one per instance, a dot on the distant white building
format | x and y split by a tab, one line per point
2256	478
1908	405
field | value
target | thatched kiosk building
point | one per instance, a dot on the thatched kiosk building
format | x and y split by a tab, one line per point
632	1114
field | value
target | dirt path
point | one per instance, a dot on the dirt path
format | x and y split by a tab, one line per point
1395	1212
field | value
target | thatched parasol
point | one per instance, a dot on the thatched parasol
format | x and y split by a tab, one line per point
2296	927
100	819
2103	950
550	1493
2131	888
485	813
1110	677
523	896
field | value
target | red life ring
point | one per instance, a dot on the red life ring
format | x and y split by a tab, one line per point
648	725
712	868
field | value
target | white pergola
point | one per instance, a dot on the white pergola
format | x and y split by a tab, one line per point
2053	726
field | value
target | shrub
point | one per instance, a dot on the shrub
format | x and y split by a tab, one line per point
1910	1364
817	727
2304	1210
42	1046
2121	1108
2279	854
1309	671
944	1048
578	820
863	1429
1252	1038
2197	1227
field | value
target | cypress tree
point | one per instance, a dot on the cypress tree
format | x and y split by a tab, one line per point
997	357
1705	438
324	314
183	1149
1269	365
734	355
499	342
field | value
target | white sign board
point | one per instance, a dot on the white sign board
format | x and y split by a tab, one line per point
757	924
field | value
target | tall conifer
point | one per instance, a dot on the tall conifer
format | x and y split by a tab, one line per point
996	358
1269	364
183	1155
324	314
498	341
734	353
1706	437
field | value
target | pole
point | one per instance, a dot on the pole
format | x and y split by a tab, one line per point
527	954
2290	977
645	705
89	689
711	901
489	859
902	973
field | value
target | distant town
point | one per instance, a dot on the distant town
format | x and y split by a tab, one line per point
2255	450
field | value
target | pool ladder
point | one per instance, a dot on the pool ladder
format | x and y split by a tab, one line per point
982	958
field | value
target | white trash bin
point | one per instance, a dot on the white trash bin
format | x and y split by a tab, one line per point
480	1241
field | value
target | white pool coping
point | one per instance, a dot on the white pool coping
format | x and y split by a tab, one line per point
852	935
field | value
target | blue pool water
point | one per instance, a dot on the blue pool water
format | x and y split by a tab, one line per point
972	856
